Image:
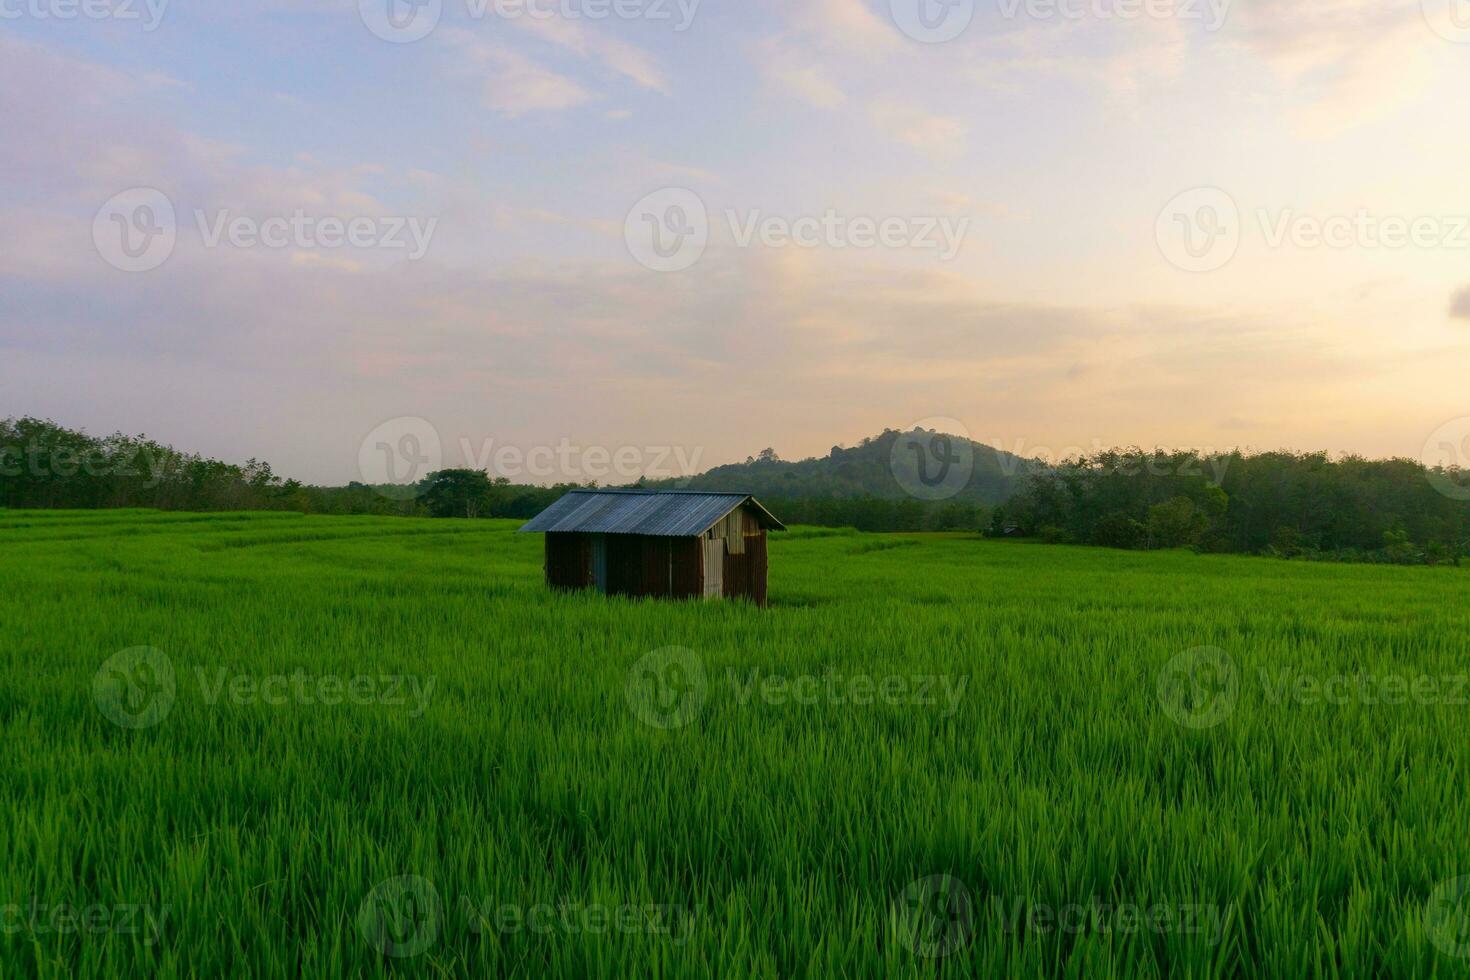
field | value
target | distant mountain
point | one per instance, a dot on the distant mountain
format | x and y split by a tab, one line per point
923	462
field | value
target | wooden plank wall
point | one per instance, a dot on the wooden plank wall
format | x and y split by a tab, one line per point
730	561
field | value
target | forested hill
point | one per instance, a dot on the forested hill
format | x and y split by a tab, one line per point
873	468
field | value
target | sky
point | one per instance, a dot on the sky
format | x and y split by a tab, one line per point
687	230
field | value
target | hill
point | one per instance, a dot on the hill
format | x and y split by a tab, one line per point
894	465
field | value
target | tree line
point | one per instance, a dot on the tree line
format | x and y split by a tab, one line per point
1291	505
45	465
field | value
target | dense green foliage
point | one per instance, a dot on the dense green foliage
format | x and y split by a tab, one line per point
43	464
1282	504
1285	504
773	834
880	513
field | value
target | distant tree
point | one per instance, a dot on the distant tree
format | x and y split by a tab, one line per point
1118	530
1177	523
457	493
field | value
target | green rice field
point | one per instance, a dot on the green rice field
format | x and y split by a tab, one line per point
268	745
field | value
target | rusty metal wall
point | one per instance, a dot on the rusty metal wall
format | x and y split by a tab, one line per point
746	573
679	568
686	561
568	561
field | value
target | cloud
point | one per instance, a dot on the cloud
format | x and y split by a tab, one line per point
1346	61
1122	59
1460	304
622	58
931	134
514	85
789	70
847	27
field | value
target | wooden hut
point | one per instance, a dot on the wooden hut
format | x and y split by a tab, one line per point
676	544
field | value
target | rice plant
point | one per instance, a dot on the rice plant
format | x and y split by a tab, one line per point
277	746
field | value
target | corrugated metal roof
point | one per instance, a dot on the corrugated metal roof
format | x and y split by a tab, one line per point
659	513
